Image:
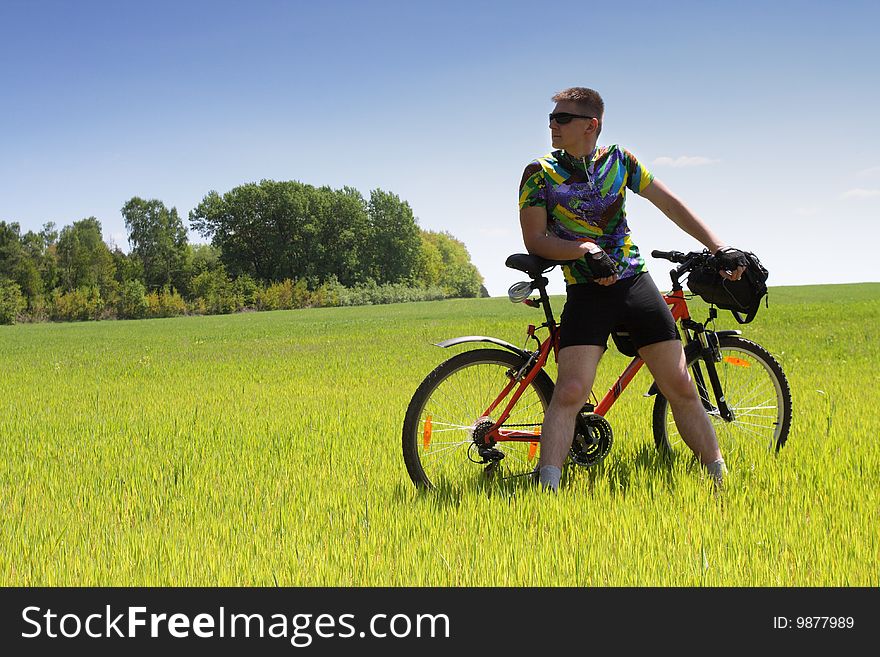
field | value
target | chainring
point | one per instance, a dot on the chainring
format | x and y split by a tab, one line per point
592	440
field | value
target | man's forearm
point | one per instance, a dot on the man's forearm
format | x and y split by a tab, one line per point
682	216
555	248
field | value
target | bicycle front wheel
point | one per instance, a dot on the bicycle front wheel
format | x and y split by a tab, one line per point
450	406
756	391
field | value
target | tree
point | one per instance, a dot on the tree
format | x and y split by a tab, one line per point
342	236
256	227
41	247
394	241
201	258
429	268
12	303
84	259
278	230
11	252
19	261
444	261
158	239
274	231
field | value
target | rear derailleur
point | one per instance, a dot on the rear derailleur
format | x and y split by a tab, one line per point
485	450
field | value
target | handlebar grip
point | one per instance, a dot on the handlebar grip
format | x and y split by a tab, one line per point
673	256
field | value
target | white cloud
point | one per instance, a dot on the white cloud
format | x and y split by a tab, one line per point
860	193
684	161
873	172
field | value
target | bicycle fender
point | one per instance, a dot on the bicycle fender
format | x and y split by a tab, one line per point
482	338
690	351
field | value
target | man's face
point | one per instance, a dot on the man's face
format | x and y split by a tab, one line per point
566	134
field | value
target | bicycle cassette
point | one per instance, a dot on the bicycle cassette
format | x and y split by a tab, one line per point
592	439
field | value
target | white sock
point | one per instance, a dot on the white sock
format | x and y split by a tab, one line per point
717	469
549	477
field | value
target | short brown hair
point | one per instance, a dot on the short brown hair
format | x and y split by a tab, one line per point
588	100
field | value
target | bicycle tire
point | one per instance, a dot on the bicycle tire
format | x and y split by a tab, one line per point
453	397
757	392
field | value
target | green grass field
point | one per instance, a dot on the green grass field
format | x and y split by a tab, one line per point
264	448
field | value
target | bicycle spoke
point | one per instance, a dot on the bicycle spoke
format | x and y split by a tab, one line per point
753	437
456	401
756	393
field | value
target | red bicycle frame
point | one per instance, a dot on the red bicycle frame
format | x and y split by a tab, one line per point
498	433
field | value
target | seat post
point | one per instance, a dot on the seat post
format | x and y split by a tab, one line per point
541	285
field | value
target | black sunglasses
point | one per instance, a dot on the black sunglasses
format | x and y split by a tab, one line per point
564	117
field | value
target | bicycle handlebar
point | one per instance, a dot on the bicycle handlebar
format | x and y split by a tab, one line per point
687	262
672	256
534	266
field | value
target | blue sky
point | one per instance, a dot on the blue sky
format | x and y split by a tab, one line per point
761	116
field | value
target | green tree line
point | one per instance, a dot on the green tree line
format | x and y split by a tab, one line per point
271	245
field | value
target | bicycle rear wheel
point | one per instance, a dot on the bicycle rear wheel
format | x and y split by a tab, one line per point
449	406
756	391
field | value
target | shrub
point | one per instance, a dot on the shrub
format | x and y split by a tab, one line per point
275	296
78	305
372	294
285	295
12	302
246	288
300	295
37	310
165	303
215	294
329	294
132	300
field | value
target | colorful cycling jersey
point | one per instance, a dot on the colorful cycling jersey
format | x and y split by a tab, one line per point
585	201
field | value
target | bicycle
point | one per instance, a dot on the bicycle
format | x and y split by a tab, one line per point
480	411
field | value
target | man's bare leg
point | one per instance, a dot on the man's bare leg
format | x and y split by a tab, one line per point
667	363
577	371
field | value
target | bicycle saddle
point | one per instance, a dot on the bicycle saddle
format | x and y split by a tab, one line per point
532	265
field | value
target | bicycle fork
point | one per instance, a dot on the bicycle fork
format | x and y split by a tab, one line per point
710	353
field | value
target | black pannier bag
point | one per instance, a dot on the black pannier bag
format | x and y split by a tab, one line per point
742	297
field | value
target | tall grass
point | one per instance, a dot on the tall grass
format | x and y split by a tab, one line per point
264	449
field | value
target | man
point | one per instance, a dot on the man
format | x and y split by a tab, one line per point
572	208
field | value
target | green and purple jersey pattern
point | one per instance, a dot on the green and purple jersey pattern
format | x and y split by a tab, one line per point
585	200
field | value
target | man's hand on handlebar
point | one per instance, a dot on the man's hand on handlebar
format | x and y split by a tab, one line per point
731	263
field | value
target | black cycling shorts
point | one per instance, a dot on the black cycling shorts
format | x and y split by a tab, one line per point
633	304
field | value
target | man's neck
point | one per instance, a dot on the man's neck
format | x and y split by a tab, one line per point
581	150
